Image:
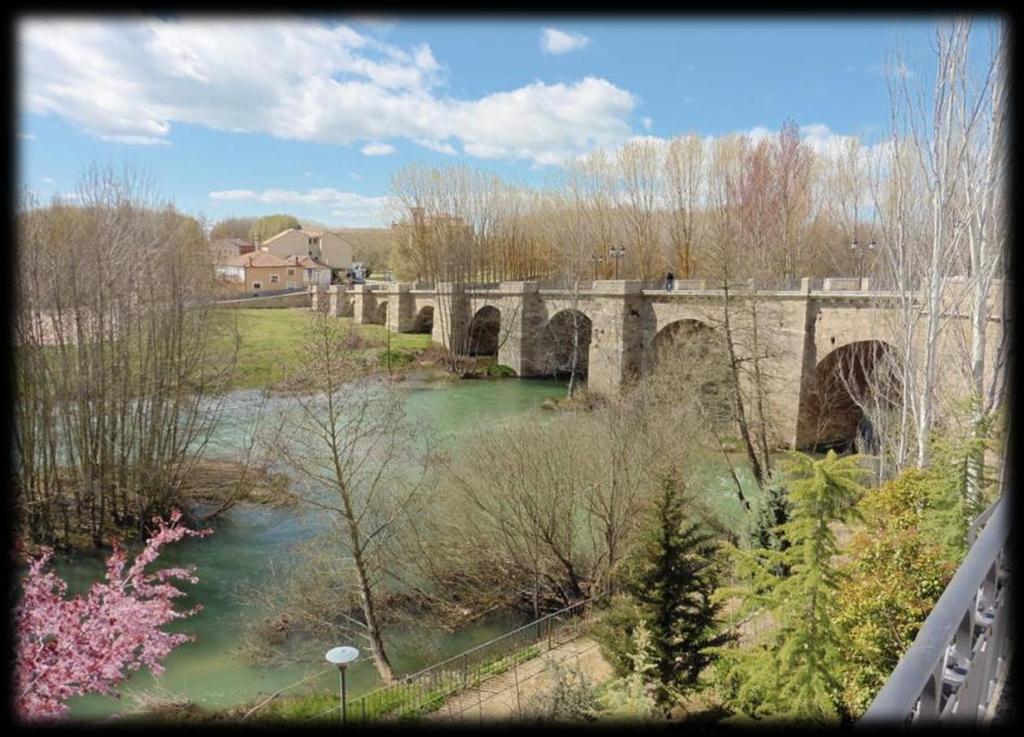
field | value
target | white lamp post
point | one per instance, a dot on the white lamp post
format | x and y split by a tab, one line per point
341	657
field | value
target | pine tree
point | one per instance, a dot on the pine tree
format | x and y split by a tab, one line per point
672	576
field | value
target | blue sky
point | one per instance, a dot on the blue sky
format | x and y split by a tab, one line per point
308	115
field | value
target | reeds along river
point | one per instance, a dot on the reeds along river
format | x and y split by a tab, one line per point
250	540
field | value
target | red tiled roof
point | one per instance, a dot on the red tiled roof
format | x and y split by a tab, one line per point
257	258
307	262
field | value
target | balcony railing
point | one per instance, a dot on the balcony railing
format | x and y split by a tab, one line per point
951	672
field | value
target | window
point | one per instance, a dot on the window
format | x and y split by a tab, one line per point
291	272
273	278
257	285
291	285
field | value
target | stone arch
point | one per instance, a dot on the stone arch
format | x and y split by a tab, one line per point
855	388
685	332
696	355
485	331
565	336
424	320
381	318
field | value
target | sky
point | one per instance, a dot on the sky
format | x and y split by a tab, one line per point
308	115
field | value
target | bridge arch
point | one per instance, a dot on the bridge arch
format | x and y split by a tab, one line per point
565	344
485	331
423	322
694	354
686	334
855	394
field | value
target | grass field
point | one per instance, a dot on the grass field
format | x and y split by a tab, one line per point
271	342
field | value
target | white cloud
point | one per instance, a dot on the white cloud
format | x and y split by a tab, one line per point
553	41
131	80
352	208
439	146
377	149
545	123
647	122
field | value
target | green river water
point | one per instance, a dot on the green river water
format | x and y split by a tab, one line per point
211	671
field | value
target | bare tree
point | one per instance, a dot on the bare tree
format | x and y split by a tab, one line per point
342	439
984	169
640	173
538	515
685	178
931	207
118	374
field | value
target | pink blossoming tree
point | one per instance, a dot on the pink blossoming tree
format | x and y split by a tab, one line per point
89	643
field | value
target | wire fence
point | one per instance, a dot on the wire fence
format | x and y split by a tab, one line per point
462	711
426	691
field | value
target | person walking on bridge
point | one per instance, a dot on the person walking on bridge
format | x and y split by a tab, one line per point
670	281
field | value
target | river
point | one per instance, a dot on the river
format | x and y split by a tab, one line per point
250	539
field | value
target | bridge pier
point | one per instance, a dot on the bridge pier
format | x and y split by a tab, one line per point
522	319
337	300
617	332
364	305
316	303
401	310
451	315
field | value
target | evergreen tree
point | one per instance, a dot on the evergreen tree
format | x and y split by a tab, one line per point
791	672
773	510
671	577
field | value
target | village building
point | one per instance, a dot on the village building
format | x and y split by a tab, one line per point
225	248
262	272
324	246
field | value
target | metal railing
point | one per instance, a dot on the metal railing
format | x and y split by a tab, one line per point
427	690
959	657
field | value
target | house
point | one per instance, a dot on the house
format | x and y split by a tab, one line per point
261	272
324	246
225	248
313	272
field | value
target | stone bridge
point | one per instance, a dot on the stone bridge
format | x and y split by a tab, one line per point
620	323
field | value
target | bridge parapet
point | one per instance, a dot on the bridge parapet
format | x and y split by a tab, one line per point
845	284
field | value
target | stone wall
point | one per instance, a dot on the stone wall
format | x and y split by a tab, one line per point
274	301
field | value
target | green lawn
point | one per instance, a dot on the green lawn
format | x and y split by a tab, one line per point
271	342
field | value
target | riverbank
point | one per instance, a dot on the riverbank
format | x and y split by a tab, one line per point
270	345
214	484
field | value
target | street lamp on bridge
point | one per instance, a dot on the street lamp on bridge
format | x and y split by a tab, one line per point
859	252
617	253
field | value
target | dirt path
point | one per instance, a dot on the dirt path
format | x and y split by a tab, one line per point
501	697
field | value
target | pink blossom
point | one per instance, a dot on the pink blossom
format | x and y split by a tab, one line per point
89	644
